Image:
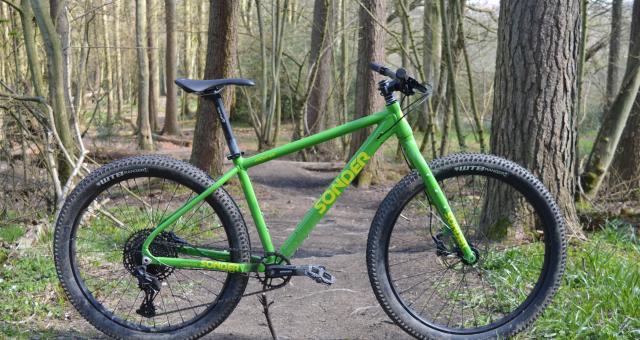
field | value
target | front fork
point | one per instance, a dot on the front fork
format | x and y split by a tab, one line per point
432	188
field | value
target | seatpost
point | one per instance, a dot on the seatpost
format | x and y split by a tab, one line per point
226	126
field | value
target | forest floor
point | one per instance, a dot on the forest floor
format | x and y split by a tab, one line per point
597	298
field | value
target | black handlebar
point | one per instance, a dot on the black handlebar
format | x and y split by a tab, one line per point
403	82
383	70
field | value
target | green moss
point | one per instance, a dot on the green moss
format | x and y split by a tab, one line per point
10	233
498	230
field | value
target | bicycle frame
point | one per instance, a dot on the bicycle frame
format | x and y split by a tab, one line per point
389	122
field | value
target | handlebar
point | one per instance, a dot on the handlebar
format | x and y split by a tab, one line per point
383	70
404	83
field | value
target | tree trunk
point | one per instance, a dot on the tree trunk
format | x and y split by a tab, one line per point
606	142
320	62
55	79
171	125
535	91
201	39
614	69
59	14
107	68
154	69
432	50
81	72
274	112
477	120
186	54
26	17
626	167
368	101
144	129
451	83
118	53
208	149
344	75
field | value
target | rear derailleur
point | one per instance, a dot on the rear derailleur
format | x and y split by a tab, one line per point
150	285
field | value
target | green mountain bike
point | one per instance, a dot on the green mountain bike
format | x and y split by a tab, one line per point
471	245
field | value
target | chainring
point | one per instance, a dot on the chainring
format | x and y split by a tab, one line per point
270	283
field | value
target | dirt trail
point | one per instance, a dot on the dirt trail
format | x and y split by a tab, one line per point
305	309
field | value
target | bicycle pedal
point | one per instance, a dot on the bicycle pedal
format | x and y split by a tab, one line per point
320	275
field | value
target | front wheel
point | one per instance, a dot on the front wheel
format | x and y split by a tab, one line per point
510	221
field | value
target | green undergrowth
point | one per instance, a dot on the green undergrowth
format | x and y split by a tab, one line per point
599	297
29	291
600	294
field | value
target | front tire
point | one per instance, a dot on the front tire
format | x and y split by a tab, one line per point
509	219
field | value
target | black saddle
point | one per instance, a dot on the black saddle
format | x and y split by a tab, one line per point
207	86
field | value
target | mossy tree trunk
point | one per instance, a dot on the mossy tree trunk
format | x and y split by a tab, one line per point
612	127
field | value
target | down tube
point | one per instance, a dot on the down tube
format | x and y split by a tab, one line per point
339	184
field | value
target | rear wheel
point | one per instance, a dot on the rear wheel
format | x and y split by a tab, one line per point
510	222
99	234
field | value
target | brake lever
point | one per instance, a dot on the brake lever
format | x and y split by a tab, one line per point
425	89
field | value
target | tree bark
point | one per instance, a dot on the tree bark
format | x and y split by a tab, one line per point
320	61
535	95
610	133
208	150
154	69
59	14
186	53
432	50
370	48
171	125
451	79
55	75
144	129
626	167
477	120
81	71
118	61
108	71
26	18
614	68
201	39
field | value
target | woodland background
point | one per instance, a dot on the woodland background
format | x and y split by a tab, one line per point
549	84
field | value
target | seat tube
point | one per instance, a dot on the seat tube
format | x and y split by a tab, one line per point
226	127
256	213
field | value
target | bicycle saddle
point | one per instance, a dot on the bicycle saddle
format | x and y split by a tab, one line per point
205	86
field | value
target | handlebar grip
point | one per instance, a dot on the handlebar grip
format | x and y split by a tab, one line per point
383	70
401	74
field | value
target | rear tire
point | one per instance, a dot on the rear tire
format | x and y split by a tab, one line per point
97	241
525	243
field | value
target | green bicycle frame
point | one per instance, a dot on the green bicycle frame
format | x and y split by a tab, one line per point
389	122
